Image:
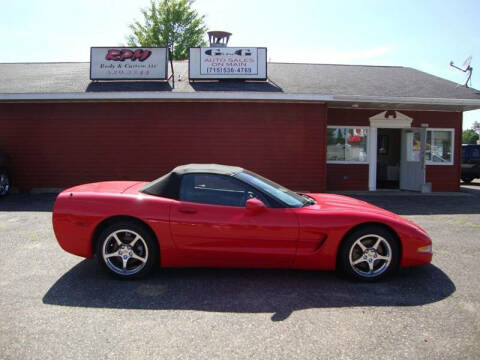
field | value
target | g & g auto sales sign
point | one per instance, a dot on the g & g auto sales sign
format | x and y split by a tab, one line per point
128	63
233	61
243	63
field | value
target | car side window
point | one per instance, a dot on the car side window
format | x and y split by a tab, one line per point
217	190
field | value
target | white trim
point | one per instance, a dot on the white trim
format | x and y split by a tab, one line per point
450	163
339	162
399	121
160	95
380	121
347	127
372	151
350	162
168	95
407	100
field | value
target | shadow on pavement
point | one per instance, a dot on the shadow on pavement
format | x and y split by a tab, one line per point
472	188
244	291
28	202
425	204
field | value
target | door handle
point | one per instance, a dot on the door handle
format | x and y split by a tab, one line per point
187	210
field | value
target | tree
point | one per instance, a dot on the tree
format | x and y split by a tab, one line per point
469	136
170	23
476	126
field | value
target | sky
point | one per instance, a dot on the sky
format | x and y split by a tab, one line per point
422	34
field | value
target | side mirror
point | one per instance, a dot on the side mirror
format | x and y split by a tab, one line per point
255	205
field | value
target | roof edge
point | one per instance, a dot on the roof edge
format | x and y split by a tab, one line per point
148	95
232	96
407	100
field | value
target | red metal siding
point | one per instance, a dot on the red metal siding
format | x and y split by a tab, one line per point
347	177
62	144
350	117
443	178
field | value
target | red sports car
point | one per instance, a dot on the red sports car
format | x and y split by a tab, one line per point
225	216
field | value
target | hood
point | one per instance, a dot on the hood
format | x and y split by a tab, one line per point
104	187
334	202
340	202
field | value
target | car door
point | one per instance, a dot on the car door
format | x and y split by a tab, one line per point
211	226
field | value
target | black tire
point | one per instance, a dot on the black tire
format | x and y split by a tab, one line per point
5	182
372	263
467	179
144	247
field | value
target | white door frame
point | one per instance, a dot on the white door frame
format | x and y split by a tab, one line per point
381	120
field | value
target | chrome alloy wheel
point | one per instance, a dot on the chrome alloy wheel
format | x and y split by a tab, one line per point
4	184
125	252
370	255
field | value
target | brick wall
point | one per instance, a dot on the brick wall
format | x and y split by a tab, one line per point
63	144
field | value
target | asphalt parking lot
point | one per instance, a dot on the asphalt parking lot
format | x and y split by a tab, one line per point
56	305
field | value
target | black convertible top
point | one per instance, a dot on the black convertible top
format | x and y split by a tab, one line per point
168	185
207	169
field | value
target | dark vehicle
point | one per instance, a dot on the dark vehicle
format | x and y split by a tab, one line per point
470	163
5	181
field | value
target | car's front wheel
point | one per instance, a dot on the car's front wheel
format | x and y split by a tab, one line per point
369	253
467	179
4	183
127	250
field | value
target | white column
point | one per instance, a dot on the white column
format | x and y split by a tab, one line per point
372	157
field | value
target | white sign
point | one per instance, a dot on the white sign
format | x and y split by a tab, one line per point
128	63
228	63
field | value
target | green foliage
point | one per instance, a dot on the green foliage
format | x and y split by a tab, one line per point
476	126
340	137
335	136
469	136
169	23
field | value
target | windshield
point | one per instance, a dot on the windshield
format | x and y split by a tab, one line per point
279	192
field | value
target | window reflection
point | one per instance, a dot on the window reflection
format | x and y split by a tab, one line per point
347	144
439	146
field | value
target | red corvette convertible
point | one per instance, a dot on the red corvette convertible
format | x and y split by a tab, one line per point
225	216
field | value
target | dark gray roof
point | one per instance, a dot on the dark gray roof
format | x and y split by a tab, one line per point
284	78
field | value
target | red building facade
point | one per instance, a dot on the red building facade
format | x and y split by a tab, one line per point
60	144
56	145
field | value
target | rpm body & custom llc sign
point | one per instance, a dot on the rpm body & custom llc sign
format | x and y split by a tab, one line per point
128	63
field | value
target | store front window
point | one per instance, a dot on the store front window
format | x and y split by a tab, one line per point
347	145
439	147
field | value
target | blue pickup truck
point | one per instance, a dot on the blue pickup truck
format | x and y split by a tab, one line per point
470	163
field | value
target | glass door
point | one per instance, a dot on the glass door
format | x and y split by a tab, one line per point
412	162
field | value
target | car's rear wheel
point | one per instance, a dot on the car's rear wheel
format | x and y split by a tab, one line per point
4	183
369	254
127	250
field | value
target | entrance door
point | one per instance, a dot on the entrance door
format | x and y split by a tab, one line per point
412	164
388	158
